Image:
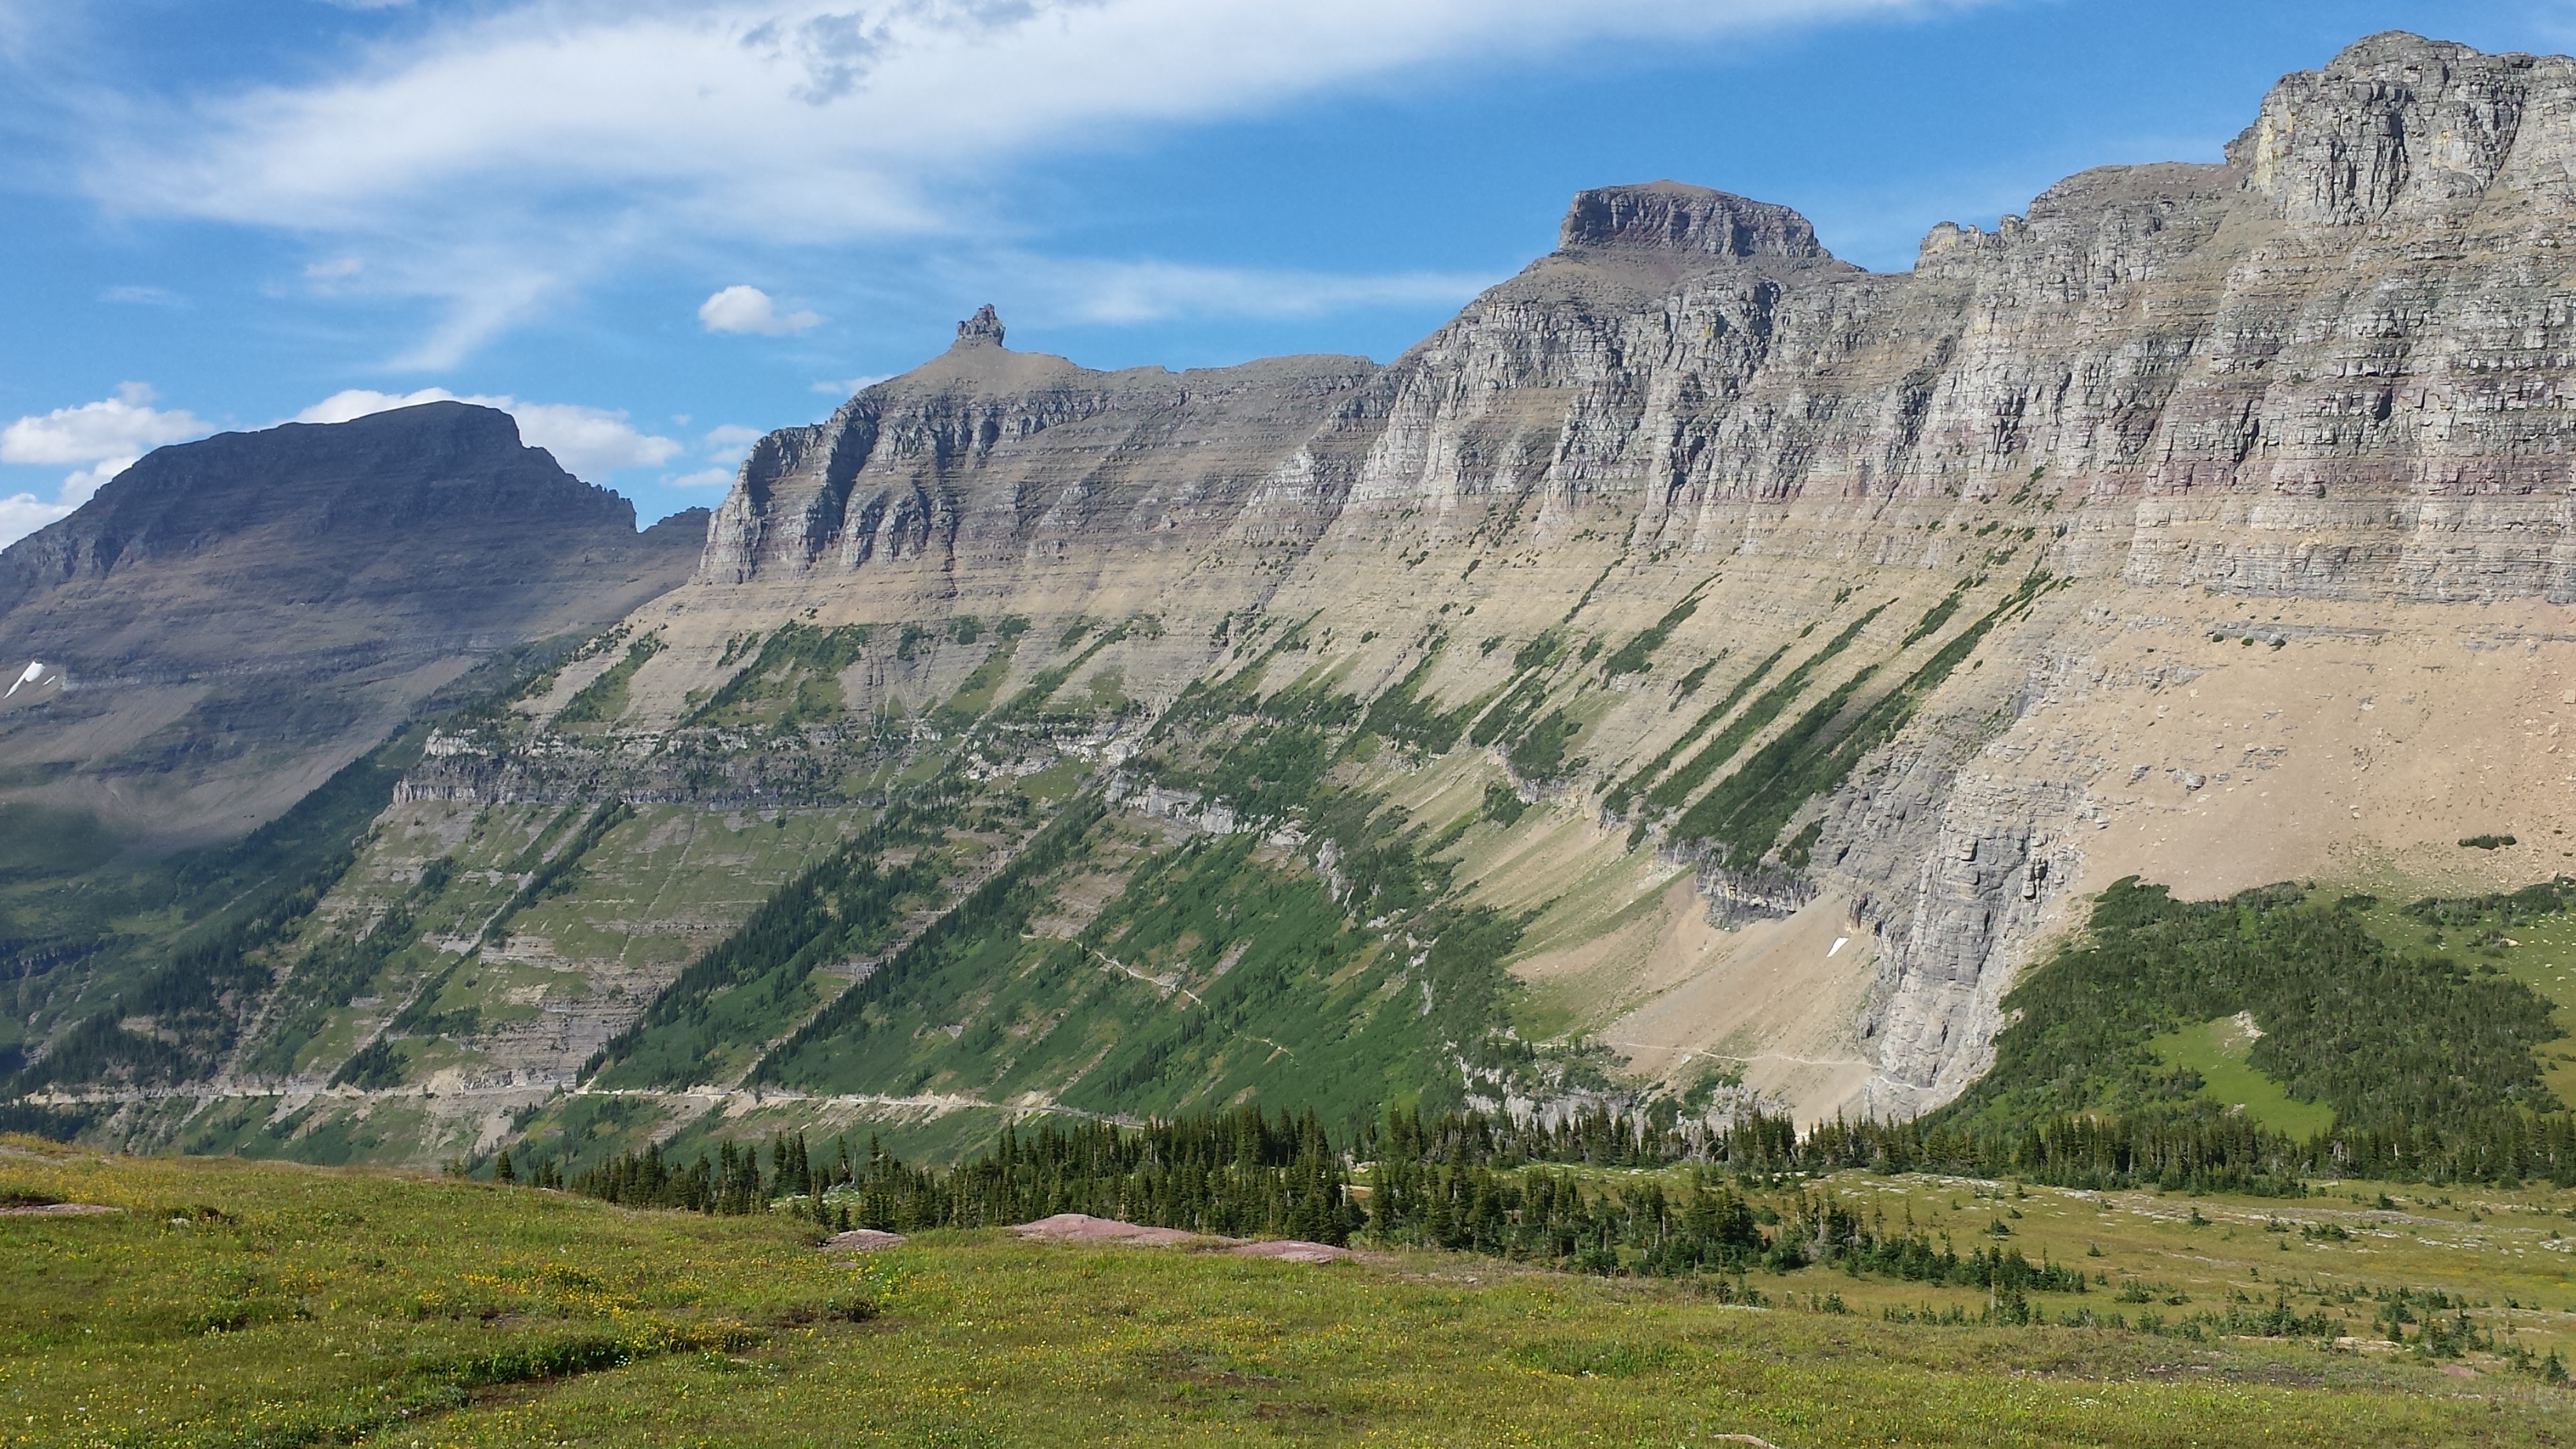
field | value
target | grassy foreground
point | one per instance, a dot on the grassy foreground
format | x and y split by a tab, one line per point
244	1304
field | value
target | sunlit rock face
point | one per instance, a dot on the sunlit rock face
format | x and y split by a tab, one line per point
2316	394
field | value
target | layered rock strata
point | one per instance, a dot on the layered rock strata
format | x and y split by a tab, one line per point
2320	387
2206	521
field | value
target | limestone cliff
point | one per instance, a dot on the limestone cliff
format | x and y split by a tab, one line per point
2324	381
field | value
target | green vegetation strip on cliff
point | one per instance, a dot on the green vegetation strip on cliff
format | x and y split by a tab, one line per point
604	698
1621	798
833	1046
1744	815
1765	708
761	981
1638	654
797	672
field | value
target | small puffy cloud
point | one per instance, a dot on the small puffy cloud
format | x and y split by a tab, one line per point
732	440
142	296
333	269
124	426
703	478
81	486
587	441
591	439
103	438
749	309
359	402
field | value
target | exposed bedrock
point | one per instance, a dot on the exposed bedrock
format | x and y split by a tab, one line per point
2319	390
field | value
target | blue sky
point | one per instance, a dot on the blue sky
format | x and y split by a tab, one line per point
657	228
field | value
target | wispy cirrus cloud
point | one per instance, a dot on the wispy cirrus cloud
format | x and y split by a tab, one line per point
501	159
1115	291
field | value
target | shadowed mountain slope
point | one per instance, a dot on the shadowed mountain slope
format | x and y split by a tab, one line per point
229	621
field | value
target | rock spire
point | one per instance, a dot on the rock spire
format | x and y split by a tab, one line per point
984	329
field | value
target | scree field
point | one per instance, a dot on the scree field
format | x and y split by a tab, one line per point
228	1303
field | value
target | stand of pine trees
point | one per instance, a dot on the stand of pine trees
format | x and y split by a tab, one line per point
1458	1181
1239	1174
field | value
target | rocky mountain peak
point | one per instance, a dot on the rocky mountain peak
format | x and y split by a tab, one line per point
2399	123
1669	216
984	329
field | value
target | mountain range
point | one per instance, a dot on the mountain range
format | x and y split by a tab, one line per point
1701	672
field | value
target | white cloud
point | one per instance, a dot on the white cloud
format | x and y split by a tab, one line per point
483	300
124	426
146	296
103	438
749	309
80	487
499	155
726	446
23	513
107	436
591	440
359	402
813	115
587	441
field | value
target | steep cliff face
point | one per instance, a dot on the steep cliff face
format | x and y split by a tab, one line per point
2332	371
1752	653
238	617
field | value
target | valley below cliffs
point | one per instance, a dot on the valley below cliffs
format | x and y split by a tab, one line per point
1702	672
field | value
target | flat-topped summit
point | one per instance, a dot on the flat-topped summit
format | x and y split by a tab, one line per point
243	614
1669	216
